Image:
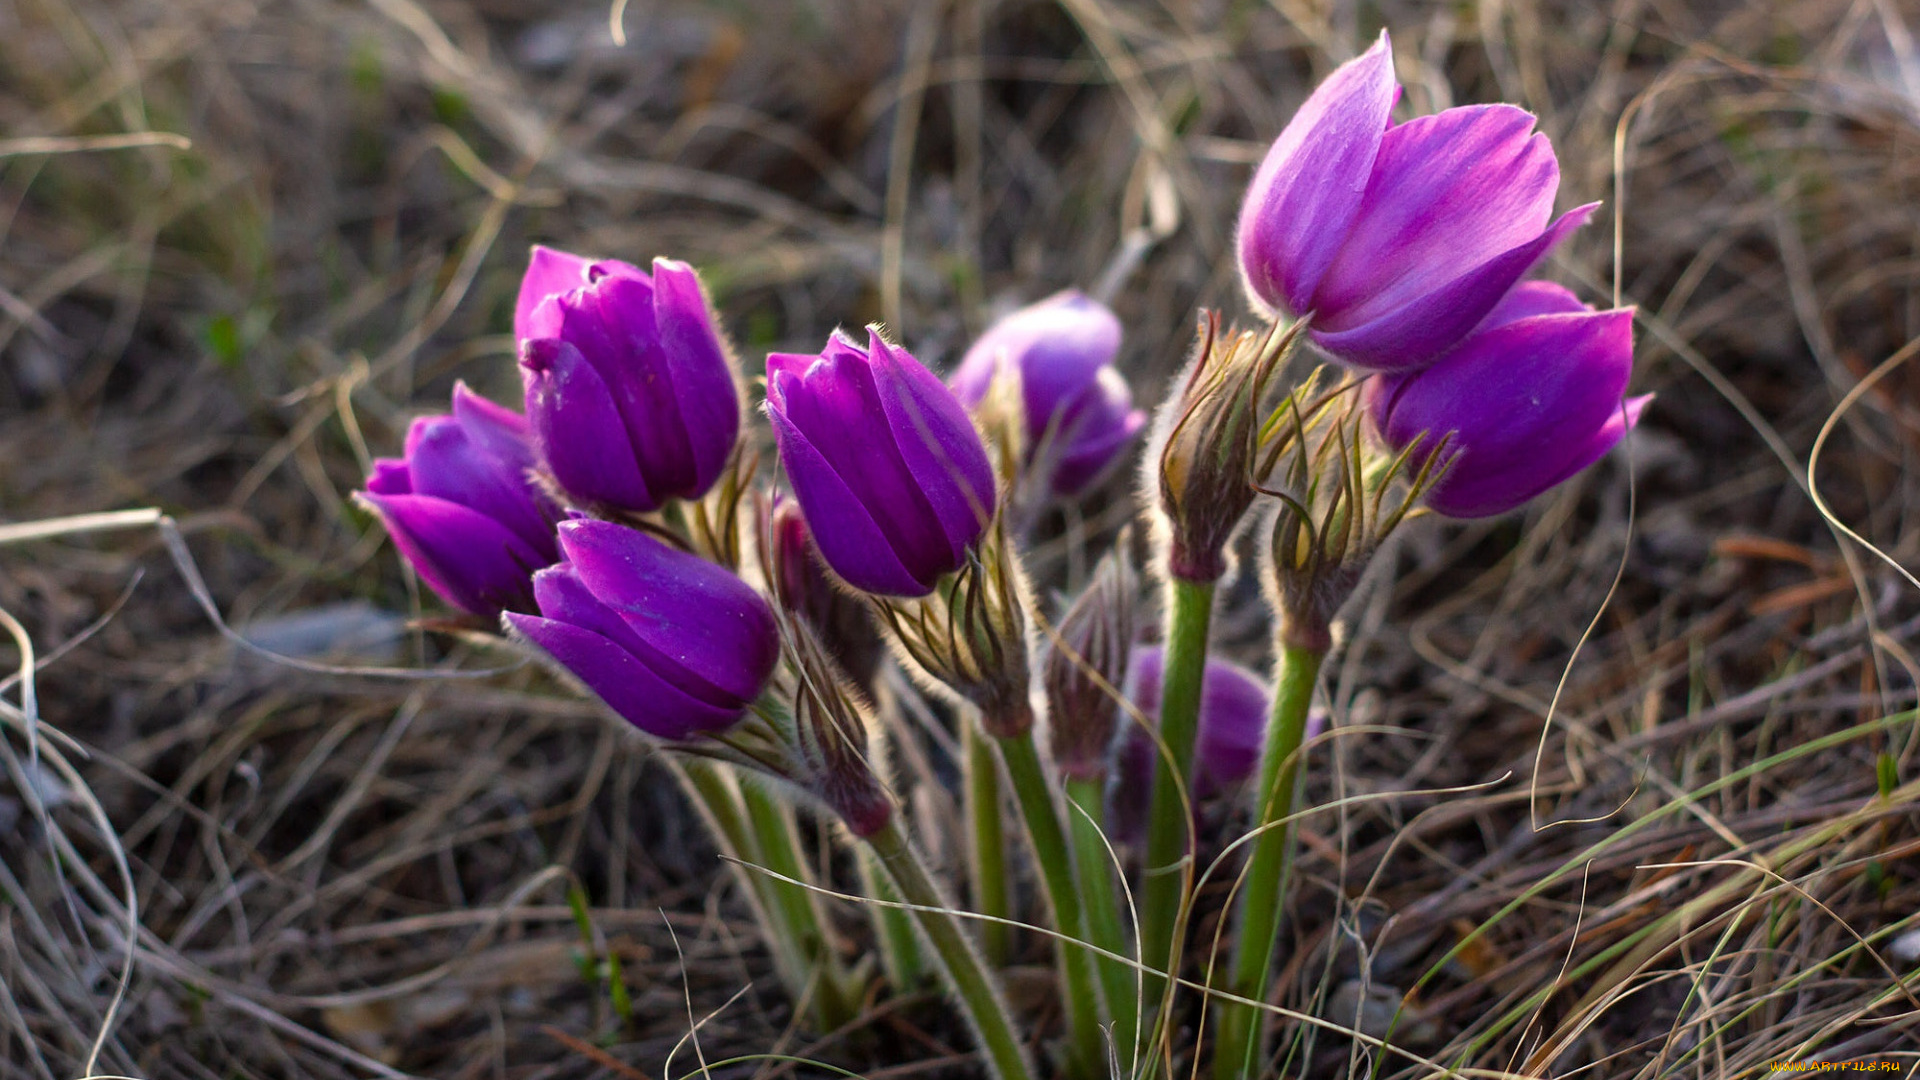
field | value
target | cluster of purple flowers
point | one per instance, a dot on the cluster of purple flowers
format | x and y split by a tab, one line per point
1404	245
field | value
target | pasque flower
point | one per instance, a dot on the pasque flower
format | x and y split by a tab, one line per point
675	644
629	387
1079	411
885	463
1530	399
1397	239
462	508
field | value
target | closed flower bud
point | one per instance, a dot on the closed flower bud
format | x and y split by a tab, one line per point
1208	441
1530	399
674	644
1079	411
1233	728
462	508
1397	239
1086	667
885	463
628	383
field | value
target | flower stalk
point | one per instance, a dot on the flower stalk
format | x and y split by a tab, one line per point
987	845
1100	889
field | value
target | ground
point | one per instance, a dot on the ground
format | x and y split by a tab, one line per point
1625	782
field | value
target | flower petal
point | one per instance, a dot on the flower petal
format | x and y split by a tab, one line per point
633	690
471	560
1304	198
854	544
549	273
941	449
702	372
1420	331
579	430
446	462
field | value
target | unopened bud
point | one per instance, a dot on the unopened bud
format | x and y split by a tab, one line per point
1087	665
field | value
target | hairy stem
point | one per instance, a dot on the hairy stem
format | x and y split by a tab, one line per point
836	999
987	850
1034	793
1100	889
1163	890
1263	889
969	978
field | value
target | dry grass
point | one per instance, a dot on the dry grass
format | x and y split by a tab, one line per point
1693	864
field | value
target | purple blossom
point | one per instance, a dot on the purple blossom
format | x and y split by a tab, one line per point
629	387
1079	410
1532	397
462	508
1397	239
887	467
676	645
1233	728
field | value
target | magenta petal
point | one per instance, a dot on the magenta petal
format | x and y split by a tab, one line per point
446	462
1096	432
702	373
1530	298
938	442
498	430
694	613
1447	191
853	543
1057	346
633	690
579	430
390	476
1304	198
1417	333
471	560
549	273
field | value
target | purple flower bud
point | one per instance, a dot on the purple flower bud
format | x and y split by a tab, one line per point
1532	397
1233	716
841	620
629	386
1080	413
675	644
1398	239
462	508
888	469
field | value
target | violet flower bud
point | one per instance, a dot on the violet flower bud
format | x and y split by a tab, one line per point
462	508
1086	667
1397	239
884	461
629	386
1531	398
1079	411
675	644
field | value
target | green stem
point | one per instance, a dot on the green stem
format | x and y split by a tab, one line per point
971	982
987	851
1164	880
836	998
717	795
900	954
1263	889
1035	796
1099	887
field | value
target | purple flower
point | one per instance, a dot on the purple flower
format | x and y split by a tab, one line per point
675	644
1532	397
461	506
1079	410
629	386
1398	239
888	470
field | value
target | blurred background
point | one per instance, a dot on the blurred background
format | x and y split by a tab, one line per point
243	242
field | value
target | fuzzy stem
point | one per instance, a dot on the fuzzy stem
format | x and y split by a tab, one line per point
836	998
900	954
1035	795
971	982
1263	889
717	796
1099	888
1163	888
987	851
